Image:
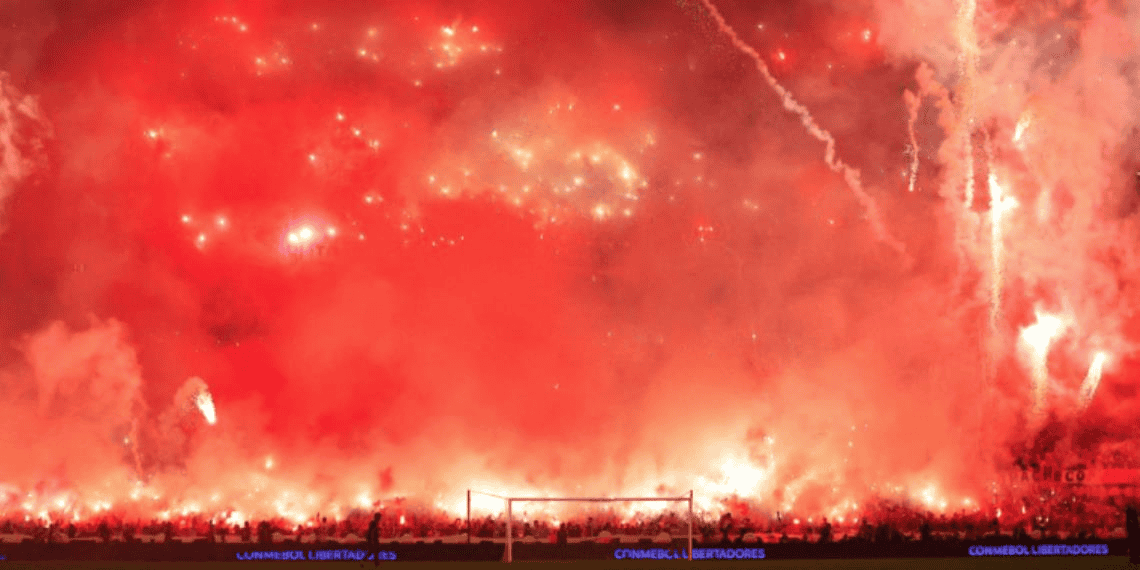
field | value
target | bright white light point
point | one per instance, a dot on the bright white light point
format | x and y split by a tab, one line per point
417	83
306	233
368	199
340	116
269	462
293	239
331	232
360	237
185	219
355	132
1042	333
315	26
153	134
474	28
448	31
201	238
867	35
760	26
221	222
781	55
698	156
600	211
1022	124
372	32
374	144
312	158
362	52
617	107
243	27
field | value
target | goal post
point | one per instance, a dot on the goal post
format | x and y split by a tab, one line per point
510	501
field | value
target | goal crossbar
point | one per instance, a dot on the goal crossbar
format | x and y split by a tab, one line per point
511	500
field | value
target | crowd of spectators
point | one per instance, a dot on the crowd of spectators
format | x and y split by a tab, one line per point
1052	518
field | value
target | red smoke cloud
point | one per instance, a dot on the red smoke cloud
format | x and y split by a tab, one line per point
580	249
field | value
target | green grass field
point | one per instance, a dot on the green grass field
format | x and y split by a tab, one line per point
1067	563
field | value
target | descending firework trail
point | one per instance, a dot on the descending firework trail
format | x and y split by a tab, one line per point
850	175
999	203
968	68
913	104
1092	379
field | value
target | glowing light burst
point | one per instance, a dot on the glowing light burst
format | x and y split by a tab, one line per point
205	404
306	234
1038	338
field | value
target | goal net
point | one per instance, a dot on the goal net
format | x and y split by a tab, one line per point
510	501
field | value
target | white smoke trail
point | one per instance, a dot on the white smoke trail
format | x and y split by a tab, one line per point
913	104
850	175
15	110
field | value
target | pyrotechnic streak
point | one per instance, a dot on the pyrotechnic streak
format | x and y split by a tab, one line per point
998	206
850	175
968	67
1092	379
913	104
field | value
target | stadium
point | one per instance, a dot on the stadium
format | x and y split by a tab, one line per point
705	282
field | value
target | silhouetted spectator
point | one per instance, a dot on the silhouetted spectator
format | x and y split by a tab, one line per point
373	538
924	530
246	532
128	533
825	532
168	532
104	531
725	527
264	533
71	531
1132	524
563	534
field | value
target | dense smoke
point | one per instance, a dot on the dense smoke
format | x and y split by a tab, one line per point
406	249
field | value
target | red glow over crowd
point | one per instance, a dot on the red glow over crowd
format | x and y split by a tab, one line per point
265	260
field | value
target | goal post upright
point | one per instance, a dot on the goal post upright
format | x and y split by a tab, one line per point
511	500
